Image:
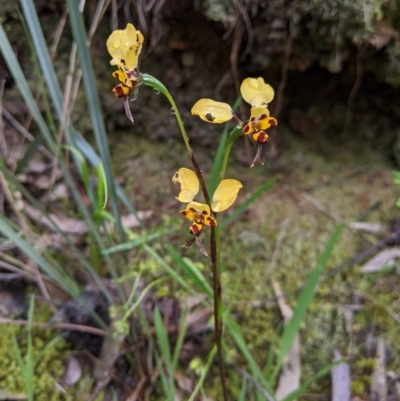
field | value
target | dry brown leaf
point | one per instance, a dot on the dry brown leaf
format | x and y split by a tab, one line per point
341	381
71	226
72	373
379	387
55	241
192	302
289	379
68	225
59	191
372	228
130	220
380	260
186	384
39	182
198	321
5	395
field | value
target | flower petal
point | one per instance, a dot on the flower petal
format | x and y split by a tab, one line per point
260	118
259	121
196	211
132	54
196	228
225	194
260	137
122	76
256	92
125	44
121	90
261	114
212	111
190	184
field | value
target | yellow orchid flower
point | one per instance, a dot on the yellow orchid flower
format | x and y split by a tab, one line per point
124	46
200	213
255	92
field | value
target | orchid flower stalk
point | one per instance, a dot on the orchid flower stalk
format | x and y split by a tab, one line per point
124	47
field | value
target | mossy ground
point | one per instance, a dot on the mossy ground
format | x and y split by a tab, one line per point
50	353
348	181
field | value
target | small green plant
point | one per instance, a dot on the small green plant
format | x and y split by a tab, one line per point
124	47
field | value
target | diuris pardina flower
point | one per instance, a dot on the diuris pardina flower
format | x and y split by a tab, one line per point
255	92
124	46
200	214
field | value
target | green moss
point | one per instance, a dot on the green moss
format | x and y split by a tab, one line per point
48	361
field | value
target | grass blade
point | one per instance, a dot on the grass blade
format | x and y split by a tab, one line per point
191	270
219	157
234	330
143	239
78	29
305	298
324	371
163	342
204	372
63	279
243	390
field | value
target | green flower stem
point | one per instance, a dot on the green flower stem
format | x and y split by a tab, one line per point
215	250
215	247
149	80
232	138
199	174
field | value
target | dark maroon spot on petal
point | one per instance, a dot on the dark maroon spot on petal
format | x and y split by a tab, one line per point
210	117
212	223
262	137
252	119
192	210
204	212
184	212
195	229
263	116
118	90
272	122
246	129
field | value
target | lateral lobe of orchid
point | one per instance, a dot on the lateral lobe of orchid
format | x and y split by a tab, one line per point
190	184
